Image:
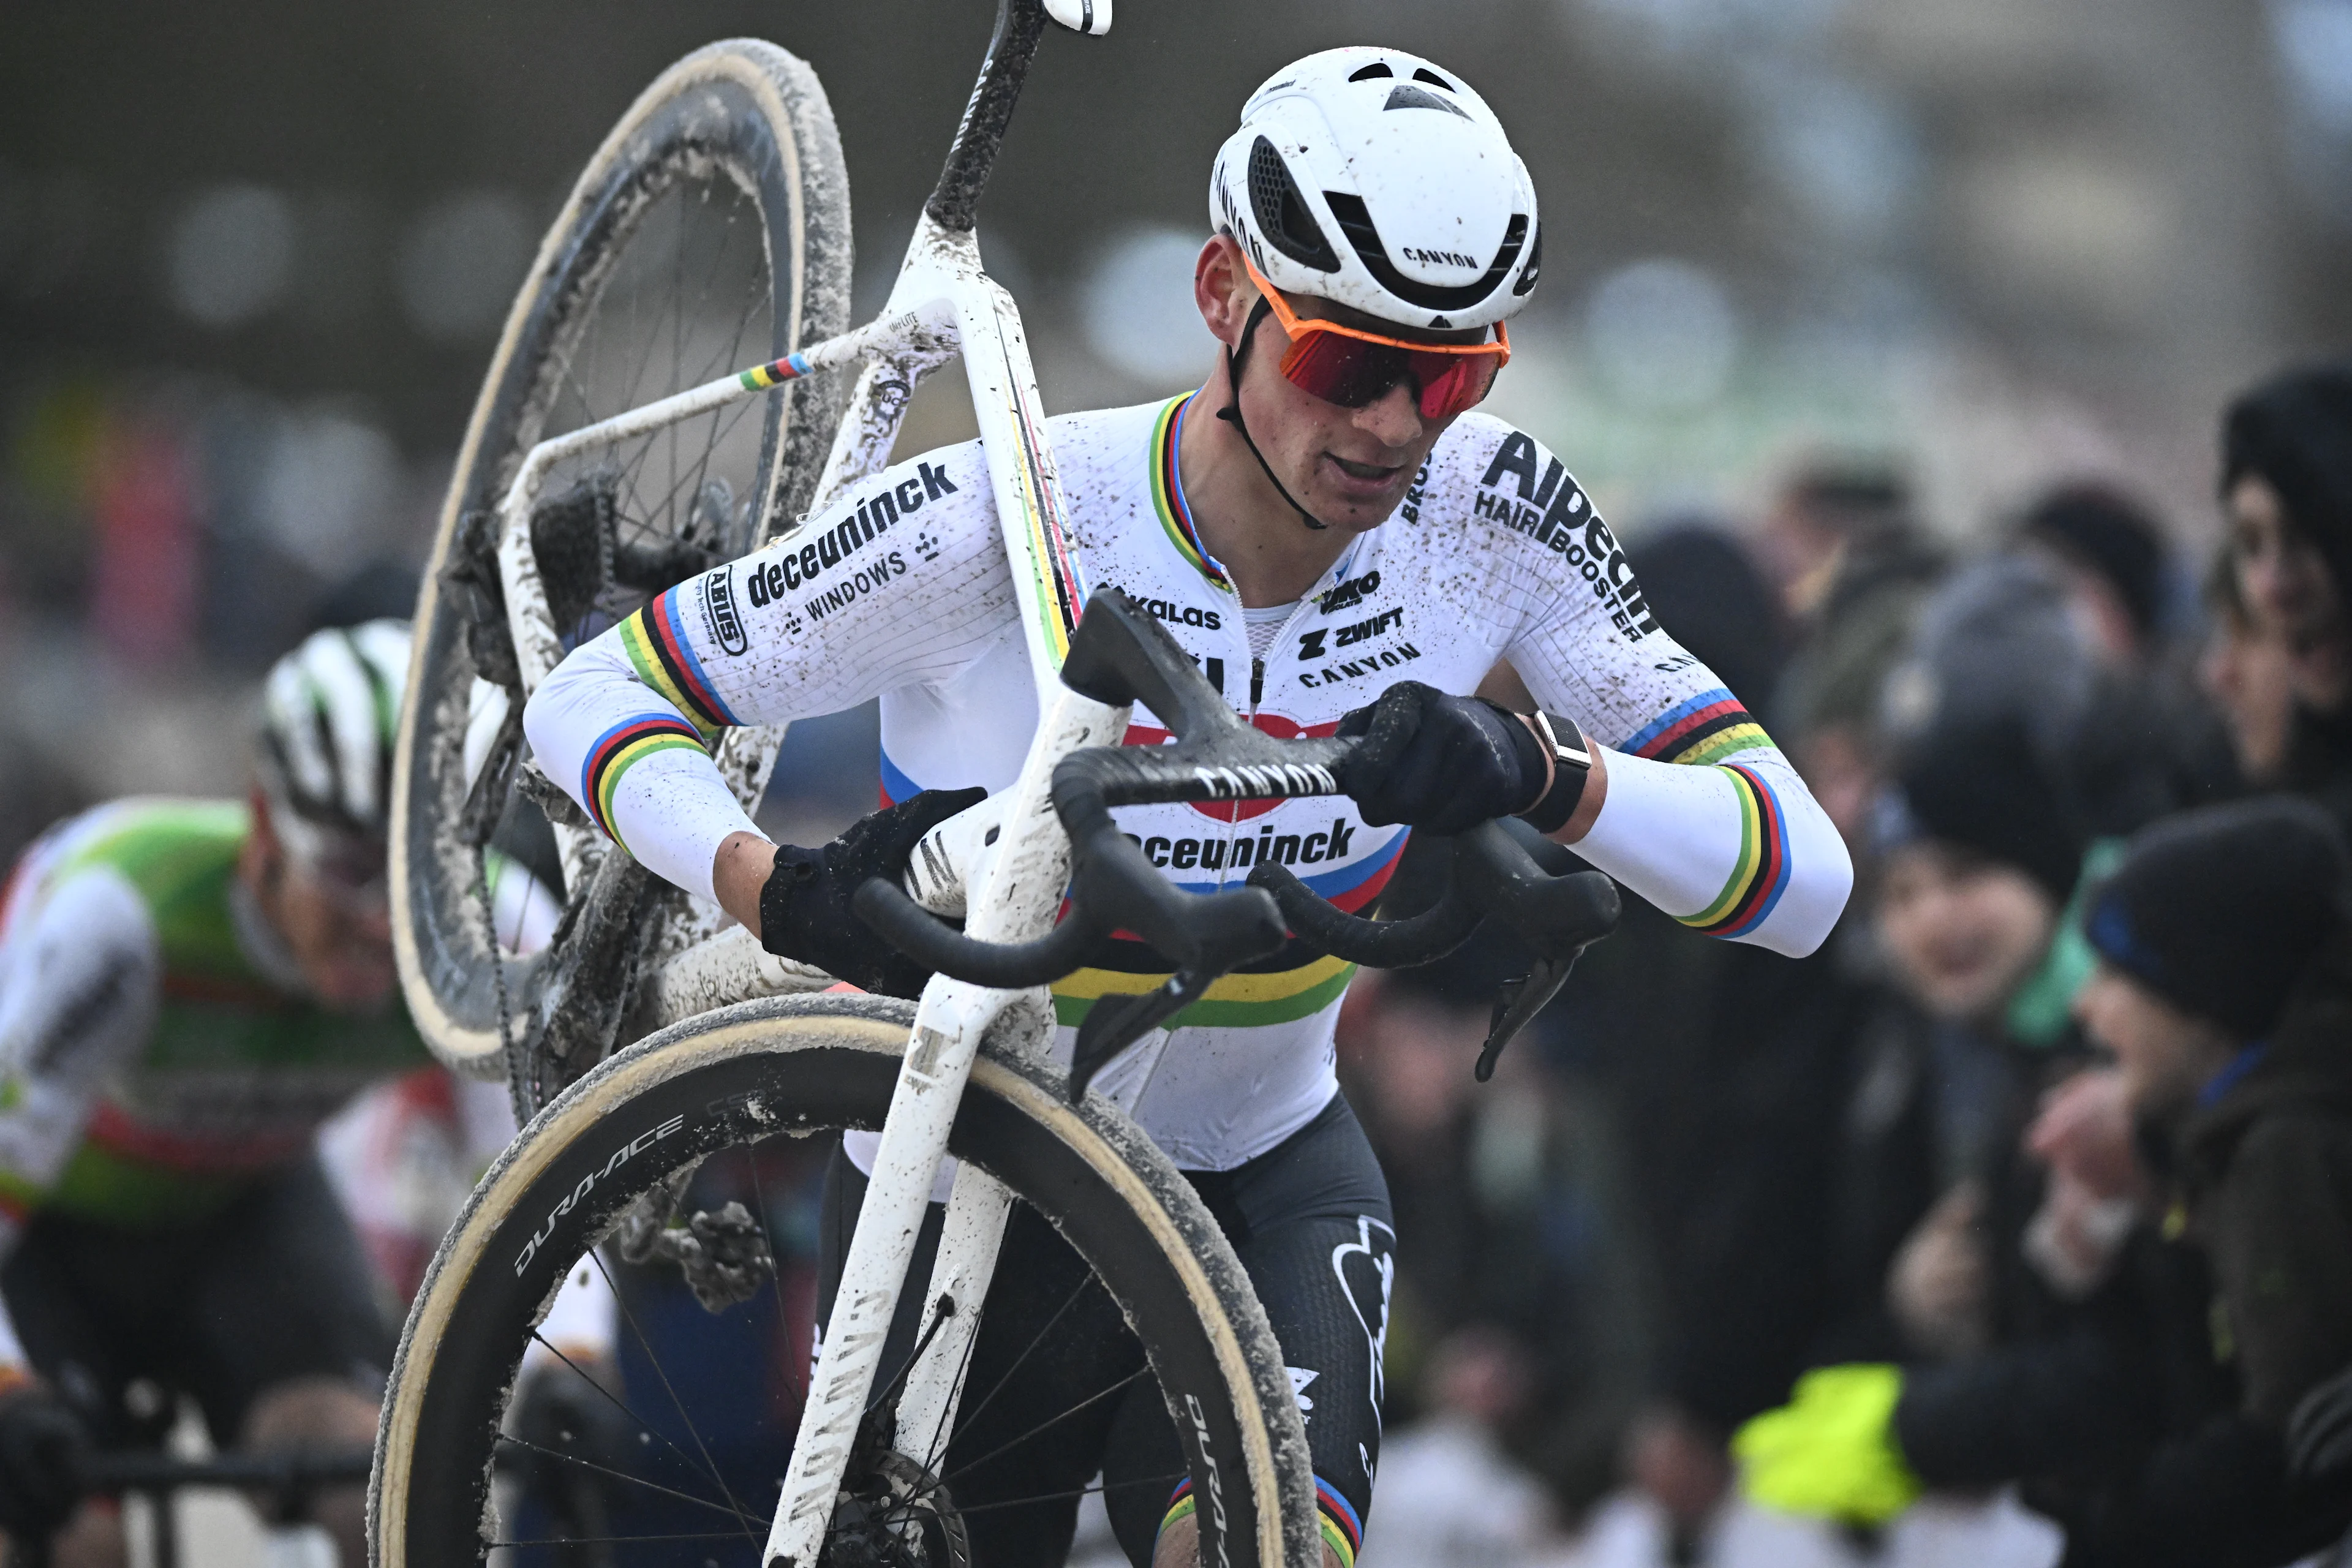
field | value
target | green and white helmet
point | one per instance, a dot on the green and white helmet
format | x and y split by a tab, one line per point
330	717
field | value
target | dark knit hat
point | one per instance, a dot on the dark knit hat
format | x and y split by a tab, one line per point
2295	431
1703	588
2220	910
2110	534
1979	786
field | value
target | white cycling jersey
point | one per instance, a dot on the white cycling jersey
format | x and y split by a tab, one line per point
900	589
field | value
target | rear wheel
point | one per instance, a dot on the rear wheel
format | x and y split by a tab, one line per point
716	1096
710	231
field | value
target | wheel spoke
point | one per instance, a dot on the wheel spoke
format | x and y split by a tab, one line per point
624	1408
1095	1398
679	1405
578	1463
1169	1479
1027	1351
610	1540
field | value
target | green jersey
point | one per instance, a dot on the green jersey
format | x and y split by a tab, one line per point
157	1051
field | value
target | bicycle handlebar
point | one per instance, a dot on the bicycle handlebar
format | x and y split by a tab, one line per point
1121	656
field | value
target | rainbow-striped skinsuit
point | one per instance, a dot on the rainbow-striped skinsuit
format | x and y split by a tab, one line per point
899	589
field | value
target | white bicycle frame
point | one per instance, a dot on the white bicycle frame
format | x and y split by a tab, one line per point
943	304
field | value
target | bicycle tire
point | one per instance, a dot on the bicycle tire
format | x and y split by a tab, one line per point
750	122
799	1065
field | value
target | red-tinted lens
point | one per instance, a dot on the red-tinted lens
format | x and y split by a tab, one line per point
1351	372
1338	369
1454	384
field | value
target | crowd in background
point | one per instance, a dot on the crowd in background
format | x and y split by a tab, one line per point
1718	1169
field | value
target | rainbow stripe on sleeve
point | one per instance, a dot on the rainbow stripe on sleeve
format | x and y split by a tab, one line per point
1709	728
1762	875
620	748
665	660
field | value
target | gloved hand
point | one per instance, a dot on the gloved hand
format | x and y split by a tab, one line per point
561	1417
805	911
1830	1450
43	1445
1439	762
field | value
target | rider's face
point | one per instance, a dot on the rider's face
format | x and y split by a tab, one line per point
1348	467
338	933
342	937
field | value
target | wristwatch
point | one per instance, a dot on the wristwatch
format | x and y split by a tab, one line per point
1571	765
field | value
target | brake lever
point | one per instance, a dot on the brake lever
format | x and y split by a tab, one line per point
1491	873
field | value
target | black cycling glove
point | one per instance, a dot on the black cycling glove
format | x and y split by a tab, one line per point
1438	762
42	1447
804	912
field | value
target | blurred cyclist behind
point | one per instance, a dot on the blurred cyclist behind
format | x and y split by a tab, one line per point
187	989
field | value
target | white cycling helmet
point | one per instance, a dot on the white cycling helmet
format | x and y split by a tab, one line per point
330	716
1373	179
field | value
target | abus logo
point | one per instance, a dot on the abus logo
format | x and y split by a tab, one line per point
719	599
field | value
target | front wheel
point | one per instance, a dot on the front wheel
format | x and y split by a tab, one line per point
730	1088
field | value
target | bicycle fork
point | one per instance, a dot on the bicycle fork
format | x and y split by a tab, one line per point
1016	902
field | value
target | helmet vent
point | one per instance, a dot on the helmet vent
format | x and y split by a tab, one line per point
1281	214
1422	73
1527	283
1404	95
1368	73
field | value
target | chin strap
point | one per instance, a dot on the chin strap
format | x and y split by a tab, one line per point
1232	411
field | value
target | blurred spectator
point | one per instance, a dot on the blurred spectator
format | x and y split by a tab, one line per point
1846	557
1450	1496
1981	856
2286	486
2112	557
2061	633
2210	1431
2247	671
1725	1100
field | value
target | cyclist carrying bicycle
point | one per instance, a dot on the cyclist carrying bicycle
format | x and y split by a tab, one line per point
188	988
1343	546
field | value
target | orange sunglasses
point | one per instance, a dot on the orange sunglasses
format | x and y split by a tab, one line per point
1351	367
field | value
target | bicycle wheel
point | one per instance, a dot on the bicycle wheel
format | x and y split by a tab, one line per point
710	231
707	1090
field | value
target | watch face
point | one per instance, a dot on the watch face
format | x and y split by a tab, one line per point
1572	753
